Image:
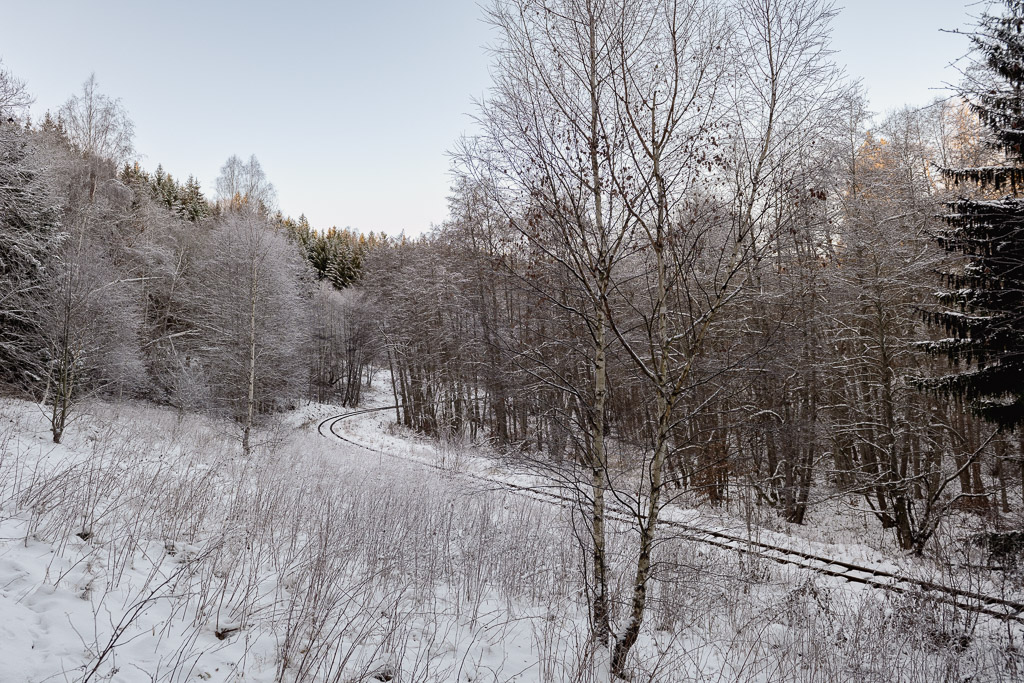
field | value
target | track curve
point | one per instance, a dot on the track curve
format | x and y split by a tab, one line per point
990	605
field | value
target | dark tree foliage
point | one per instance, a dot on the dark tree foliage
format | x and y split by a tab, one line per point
192	204
983	300
29	221
187	201
335	255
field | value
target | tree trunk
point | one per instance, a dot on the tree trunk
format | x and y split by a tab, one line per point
250	403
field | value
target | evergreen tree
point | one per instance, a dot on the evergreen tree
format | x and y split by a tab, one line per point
165	190
192	204
134	175
336	255
982	305
29	234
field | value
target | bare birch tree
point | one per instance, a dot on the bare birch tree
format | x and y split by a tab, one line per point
550	143
670	69
243	183
250	318
99	128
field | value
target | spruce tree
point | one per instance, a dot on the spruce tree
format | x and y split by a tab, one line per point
982	303
192	204
165	190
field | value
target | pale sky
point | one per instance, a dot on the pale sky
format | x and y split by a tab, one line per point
350	106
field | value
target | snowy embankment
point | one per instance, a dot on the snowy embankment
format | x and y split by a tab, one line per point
829	536
146	548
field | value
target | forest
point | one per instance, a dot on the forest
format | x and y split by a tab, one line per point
685	267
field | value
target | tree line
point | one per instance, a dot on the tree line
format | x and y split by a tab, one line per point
123	283
685	262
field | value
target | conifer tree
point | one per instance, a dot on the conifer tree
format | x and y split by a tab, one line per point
192	203
29	234
165	190
982	304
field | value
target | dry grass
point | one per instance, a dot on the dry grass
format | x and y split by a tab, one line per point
350	569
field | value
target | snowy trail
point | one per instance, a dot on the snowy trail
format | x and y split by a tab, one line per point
989	605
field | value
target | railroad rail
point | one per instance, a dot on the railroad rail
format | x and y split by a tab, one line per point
990	605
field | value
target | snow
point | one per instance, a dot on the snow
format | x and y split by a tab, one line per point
831	536
204	601
146	548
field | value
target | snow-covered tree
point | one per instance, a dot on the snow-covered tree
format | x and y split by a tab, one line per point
99	128
97	124
250	318
343	340
29	220
91	322
982	304
244	183
14	97
192	203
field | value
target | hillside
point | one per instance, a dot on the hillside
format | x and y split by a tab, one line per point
146	548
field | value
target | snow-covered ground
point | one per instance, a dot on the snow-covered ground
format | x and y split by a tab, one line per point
835	532
146	548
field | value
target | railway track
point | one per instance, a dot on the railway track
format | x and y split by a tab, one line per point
990	605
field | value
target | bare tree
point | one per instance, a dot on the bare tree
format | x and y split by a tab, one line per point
250	318
342	344
99	128
550	144
91	324
14	97
892	435
605	142
245	184
670	69
785	114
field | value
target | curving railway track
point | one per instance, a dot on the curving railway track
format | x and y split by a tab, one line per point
990	605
